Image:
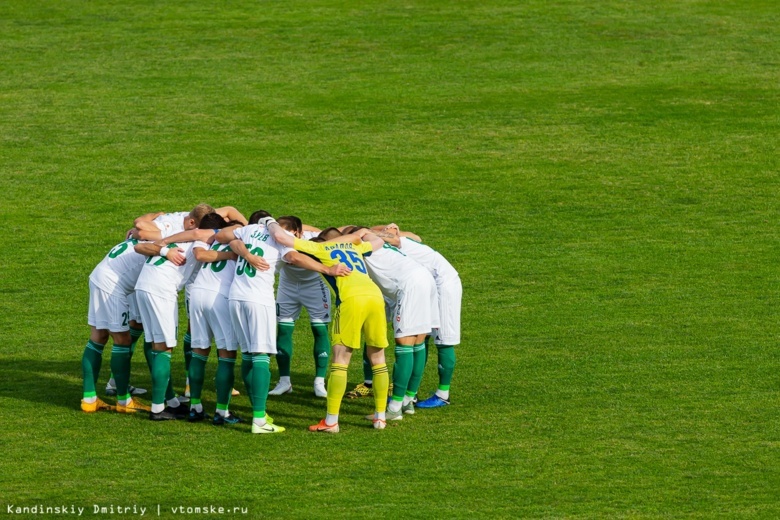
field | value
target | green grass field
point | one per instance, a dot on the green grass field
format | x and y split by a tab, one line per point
604	176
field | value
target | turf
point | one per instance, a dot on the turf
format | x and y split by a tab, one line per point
603	175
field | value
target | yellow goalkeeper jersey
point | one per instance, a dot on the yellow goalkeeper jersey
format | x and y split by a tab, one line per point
331	253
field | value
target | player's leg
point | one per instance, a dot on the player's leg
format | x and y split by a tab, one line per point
91	361
315	296
203	321
227	346
284	352
375	332
445	338
321	356
419	355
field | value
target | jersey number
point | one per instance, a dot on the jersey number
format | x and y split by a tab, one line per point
243	267
353	262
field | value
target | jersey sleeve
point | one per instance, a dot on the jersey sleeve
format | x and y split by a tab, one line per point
364	248
314	249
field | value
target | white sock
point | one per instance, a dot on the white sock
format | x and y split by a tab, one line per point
380	416
408	399
284	379
90	400
173	403
124	402
394	406
259	421
111	383
331	419
223	413
444	394
368	382
197	407
319	381
157	408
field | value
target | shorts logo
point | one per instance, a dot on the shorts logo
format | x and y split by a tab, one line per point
397	318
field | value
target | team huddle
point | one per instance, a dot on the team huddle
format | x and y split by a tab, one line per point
351	280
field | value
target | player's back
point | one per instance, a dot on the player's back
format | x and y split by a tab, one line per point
119	269
355	284
431	259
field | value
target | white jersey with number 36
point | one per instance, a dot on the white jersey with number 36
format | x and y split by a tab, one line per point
249	284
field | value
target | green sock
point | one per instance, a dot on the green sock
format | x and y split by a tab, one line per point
246	373
197	375
225	380
284	346
446	365
187	352
148	354
418	369
368	373
169	392
261	381
402	371
321	349
161	375
120	367
135	335
90	367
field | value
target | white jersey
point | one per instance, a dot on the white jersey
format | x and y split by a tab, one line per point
162	278
215	276
290	274
119	270
436	264
249	284
392	270
170	223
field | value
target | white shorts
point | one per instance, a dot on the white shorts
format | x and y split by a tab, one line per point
135	314
108	311
160	318
416	308
210	319
450	294
314	295
254	326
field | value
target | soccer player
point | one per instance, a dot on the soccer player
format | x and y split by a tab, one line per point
251	302
161	278
450	290
415	313
157	226
111	285
359	307
210	319
299	288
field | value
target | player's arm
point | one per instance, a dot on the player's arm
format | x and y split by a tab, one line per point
143	220
361	235
278	233
209	255
146	233
226	235
190	235
230	213
300	260
258	262
171	252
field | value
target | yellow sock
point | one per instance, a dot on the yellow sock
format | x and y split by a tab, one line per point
381	384
337	385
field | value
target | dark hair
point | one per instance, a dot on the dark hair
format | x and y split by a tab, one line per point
328	233
212	221
291	223
257	215
316	239
351	229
